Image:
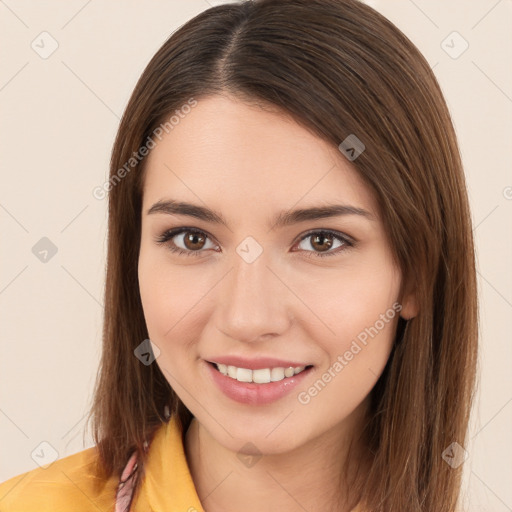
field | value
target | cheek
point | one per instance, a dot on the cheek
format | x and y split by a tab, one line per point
163	308
359	305
350	298
369	306
175	301
353	312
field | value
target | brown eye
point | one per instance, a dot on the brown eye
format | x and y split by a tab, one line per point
193	240
322	242
186	241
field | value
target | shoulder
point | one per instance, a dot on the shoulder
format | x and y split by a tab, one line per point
70	483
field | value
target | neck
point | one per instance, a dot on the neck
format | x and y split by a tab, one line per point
309	477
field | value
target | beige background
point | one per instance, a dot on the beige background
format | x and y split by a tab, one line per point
59	118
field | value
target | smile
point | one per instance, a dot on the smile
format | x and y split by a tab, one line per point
259	376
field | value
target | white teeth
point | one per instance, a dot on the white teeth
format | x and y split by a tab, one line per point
276	374
260	376
243	375
289	372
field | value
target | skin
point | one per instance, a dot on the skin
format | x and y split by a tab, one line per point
249	163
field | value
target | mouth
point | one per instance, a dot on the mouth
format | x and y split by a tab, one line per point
256	386
260	375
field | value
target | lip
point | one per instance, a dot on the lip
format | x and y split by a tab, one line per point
251	393
256	363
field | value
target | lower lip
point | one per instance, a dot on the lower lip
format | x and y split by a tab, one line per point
255	394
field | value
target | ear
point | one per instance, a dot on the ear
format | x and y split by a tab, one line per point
409	305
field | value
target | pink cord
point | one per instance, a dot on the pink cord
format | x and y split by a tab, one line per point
124	491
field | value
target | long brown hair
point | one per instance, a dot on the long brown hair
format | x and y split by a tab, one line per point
339	68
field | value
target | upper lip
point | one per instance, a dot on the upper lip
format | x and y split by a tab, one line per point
256	363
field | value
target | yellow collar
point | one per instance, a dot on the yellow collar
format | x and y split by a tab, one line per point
168	484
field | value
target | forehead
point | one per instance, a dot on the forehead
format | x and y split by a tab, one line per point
228	152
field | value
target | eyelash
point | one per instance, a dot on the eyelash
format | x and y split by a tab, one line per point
171	233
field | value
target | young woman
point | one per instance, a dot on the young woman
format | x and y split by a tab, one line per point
291	311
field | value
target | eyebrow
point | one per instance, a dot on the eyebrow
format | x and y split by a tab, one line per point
284	218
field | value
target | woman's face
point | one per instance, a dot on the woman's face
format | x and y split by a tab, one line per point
258	288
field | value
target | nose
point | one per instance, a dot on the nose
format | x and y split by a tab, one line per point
253	303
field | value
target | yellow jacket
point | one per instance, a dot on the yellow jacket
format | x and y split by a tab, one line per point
69	484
